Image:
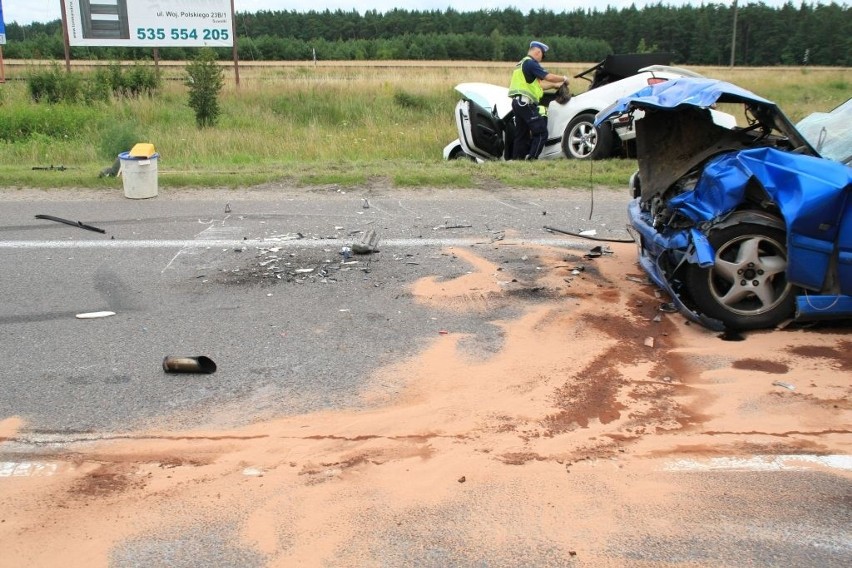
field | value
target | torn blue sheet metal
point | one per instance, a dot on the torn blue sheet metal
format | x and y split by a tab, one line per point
811	194
702	93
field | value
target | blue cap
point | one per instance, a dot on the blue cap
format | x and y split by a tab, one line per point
542	46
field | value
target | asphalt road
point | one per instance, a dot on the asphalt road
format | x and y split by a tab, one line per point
254	281
186	278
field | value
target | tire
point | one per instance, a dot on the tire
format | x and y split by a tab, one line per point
583	141
747	286
458	154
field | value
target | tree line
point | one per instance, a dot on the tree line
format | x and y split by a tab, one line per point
804	34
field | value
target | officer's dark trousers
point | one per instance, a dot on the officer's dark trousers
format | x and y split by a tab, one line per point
530	131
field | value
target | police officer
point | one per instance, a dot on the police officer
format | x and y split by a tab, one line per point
529	80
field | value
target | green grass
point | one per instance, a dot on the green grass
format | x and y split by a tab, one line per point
343	125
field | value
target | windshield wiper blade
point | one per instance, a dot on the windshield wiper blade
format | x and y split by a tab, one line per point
72	223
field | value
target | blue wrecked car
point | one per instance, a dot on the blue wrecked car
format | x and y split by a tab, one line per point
745	227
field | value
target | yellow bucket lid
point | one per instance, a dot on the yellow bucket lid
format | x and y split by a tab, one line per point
143	150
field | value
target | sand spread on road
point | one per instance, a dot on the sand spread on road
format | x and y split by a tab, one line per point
535	450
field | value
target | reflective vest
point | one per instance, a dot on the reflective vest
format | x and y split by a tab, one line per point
519	85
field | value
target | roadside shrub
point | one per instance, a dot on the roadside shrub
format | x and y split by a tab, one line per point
141	80
53	86
205	80
133	82
98	88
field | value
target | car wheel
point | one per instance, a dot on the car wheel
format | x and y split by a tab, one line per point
583	141
747	286
459	154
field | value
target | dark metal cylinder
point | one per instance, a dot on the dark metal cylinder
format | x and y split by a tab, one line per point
200	364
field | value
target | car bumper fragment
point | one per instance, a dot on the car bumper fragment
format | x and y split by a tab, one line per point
652	245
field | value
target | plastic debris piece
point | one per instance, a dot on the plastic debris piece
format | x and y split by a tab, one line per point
787	386
589	233
367	244
72	223
594	252
649	342
94	315
253	472
668	307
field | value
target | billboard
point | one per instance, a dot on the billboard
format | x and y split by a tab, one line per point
2	25
149	23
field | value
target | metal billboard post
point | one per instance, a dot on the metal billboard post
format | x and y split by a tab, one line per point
234	48
65	37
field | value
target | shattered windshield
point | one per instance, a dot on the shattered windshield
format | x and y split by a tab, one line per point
830	132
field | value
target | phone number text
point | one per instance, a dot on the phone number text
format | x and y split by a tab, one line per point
186	34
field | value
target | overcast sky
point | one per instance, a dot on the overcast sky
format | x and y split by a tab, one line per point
27	11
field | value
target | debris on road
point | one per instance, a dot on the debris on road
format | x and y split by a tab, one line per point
446	226
649	342
72	223
367	244
594	252
95	315
200	364
787	386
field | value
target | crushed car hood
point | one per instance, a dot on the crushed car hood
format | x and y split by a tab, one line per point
677	132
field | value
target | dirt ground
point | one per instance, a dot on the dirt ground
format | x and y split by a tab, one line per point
537	448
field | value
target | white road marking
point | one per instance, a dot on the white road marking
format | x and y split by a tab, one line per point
28	469
284	243
789	462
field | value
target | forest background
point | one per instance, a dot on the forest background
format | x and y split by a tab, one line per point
803	34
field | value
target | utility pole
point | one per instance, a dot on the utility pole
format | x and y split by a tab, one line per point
734	35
